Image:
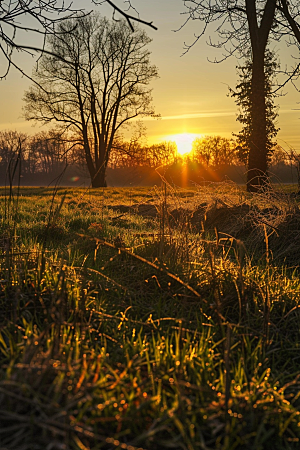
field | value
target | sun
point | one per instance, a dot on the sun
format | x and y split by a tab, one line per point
183	141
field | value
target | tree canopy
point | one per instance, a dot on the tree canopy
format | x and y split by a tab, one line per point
243	98
97	82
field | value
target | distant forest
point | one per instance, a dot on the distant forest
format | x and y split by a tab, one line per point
48	158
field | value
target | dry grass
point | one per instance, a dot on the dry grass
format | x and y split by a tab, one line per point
122	328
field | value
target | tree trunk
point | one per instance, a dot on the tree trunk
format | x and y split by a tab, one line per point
258	158
99	178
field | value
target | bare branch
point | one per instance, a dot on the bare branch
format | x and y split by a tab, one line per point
127	16
44	17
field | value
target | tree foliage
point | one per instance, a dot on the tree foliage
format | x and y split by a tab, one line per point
243	98
248	27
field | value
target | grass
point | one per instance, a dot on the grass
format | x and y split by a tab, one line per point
149	319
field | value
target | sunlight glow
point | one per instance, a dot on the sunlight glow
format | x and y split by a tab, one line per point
183	141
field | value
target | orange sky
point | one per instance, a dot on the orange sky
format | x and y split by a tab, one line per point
191	94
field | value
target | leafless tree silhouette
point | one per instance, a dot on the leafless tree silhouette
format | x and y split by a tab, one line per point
97	81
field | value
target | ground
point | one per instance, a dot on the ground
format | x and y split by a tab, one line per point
149	318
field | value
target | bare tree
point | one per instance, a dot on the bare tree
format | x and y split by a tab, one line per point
50	151
243	27
13	147
97	83
135	153
202	151
9	146
46	152
214	151
279	156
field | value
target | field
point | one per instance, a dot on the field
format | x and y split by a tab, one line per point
149	318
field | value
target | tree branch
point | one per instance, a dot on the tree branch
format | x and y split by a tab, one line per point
128	17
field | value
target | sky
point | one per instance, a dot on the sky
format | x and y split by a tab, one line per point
191	94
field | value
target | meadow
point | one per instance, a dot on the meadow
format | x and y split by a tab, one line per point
149	318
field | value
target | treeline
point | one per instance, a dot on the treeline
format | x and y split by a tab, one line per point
48	151
136	154
45	155
210	151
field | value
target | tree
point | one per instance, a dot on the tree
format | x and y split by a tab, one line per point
13	148
40	18
50	151
202	151
98	81
243	98
9	146
214	151
45	152
156	155
243	27
279	156
134	153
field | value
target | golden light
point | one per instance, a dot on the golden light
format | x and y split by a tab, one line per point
183	141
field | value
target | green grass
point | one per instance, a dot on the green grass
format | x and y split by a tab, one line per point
130	331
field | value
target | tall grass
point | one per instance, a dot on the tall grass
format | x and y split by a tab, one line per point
132	331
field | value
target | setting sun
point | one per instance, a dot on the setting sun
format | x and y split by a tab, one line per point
183	141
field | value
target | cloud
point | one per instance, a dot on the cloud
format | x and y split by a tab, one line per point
198	115
209	114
